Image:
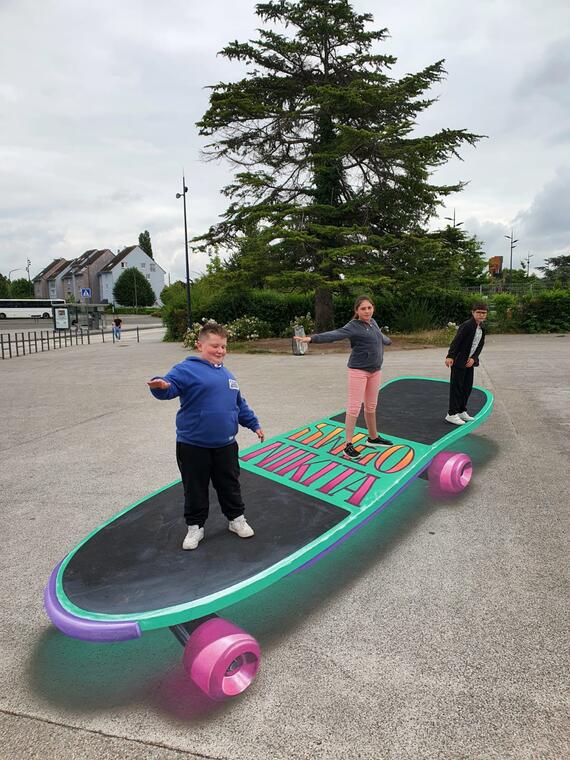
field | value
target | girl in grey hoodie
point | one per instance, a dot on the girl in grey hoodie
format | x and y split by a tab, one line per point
364	369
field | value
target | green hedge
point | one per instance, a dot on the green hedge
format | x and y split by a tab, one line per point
547	311
404	310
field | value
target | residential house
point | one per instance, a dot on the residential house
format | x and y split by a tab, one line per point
41	289
132	256
54	277
83	273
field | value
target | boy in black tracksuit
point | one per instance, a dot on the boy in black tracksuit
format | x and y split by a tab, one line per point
462	356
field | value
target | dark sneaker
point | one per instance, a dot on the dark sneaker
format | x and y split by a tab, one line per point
378	441
350	451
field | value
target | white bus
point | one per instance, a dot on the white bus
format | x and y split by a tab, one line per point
26	308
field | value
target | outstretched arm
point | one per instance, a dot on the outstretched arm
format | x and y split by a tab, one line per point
158	383
163	389
326	337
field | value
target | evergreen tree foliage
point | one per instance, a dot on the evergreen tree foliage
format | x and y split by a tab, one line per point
557	271
133	289
4	286
462	260
145	244
331	176
174	295
21	288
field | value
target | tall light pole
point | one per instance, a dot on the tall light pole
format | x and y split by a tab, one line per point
452	219
188	308
135	284
513	245
528	258
18	269
28	265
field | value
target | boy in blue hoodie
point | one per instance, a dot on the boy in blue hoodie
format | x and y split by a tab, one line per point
211	408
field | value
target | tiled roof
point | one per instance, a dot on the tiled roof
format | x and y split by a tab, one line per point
59	269
118	258
86	259
45	270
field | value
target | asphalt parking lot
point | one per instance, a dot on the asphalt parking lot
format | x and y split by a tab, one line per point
438	631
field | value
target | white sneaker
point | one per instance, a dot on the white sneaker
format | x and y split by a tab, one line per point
193	537
455	419
466	417
241	527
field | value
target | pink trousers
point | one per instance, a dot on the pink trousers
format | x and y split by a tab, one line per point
362	386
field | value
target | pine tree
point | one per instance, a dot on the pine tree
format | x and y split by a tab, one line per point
329	168
145	244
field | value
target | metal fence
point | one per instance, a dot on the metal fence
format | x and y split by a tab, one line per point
33	342
517	289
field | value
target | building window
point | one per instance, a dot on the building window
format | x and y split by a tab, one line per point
143	265
123	264
153	267
148	277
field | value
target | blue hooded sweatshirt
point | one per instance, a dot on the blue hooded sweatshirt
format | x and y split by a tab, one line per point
211	405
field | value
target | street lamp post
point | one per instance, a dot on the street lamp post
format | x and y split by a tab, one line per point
452	219
528	258
188	307
18	269
135	284
513	245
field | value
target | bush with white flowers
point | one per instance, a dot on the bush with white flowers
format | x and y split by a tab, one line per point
307	322
248	328
244	328
191	334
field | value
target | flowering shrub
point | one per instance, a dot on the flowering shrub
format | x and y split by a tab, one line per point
248	328
245	328
191	334
307	322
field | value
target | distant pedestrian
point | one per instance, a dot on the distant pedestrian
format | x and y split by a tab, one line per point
462	356
117	323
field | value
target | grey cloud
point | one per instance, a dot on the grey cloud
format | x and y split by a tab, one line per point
547	220
99	109
548	78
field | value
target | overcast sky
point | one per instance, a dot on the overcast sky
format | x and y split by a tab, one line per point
98	104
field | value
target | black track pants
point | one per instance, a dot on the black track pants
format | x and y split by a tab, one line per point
460	388
199	465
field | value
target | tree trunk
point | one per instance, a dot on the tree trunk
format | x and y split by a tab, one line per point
324	315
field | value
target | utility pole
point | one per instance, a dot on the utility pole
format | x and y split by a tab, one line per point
528	258
513	243
452	219
135	284
188	307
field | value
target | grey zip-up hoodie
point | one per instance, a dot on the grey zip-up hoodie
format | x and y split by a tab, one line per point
367	343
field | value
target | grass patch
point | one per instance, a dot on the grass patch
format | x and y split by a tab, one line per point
440	338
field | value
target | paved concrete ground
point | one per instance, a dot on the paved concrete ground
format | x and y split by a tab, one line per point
439	631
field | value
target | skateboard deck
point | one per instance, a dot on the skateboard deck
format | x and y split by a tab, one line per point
303	496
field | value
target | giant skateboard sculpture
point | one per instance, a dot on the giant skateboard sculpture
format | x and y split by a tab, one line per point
303	497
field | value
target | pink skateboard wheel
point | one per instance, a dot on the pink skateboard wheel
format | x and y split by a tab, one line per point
221	658
450	471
